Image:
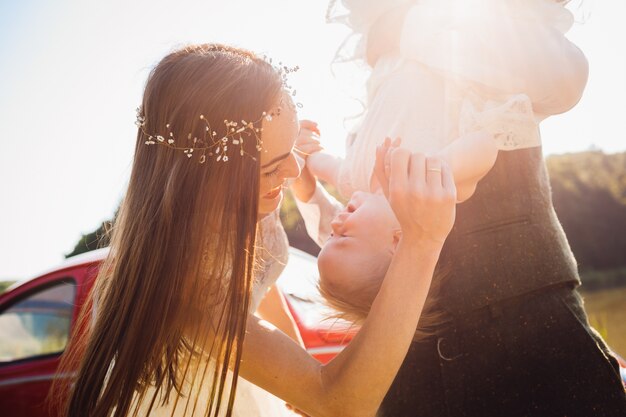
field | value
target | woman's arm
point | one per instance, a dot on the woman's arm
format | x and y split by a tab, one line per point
356	381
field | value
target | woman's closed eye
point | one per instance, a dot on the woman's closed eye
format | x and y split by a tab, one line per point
272	173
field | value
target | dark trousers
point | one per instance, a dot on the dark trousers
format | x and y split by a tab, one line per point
532	356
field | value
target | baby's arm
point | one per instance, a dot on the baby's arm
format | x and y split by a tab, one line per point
325	167
470	158
318	212
316	206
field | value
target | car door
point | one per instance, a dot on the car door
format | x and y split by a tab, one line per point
35	322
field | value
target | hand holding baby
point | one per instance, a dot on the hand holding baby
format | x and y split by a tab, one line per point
420	190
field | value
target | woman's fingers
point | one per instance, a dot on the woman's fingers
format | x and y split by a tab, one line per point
447	180
417	169
399	171
379	166
387	164
422	195
382	165
433	172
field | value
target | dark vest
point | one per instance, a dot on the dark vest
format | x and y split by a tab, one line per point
507	240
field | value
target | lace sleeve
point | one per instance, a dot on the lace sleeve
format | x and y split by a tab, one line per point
511	123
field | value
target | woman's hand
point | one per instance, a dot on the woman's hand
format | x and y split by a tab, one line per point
420	190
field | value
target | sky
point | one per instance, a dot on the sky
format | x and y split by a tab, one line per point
72	73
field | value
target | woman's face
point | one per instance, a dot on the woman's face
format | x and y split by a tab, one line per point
361	245
278	162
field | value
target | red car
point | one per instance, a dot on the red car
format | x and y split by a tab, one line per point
36	317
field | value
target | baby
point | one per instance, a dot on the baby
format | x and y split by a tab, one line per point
503	331
355	258
460	79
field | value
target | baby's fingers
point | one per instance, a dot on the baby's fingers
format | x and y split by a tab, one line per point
433	172
309	147
309	124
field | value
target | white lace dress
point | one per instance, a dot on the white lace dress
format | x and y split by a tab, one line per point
462	66
272	254
250	400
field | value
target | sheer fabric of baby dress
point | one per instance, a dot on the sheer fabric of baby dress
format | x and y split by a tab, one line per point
454	73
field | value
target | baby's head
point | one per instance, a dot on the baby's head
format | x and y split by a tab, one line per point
354	261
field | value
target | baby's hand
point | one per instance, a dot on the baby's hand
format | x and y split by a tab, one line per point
308	141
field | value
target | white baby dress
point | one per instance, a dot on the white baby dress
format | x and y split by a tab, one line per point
461	66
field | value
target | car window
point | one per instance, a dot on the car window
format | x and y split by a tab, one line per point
38	324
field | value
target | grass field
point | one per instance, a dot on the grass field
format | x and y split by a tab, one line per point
607	314
4	285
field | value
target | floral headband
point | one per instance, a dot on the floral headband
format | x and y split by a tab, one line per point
212	145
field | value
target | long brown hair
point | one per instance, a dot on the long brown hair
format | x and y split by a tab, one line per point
175	287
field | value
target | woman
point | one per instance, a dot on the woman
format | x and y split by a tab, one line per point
214	148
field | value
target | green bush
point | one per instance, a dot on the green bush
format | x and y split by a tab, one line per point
4	285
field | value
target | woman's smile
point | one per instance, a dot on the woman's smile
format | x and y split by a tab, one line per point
274	193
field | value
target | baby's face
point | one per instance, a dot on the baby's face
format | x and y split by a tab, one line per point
361	245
